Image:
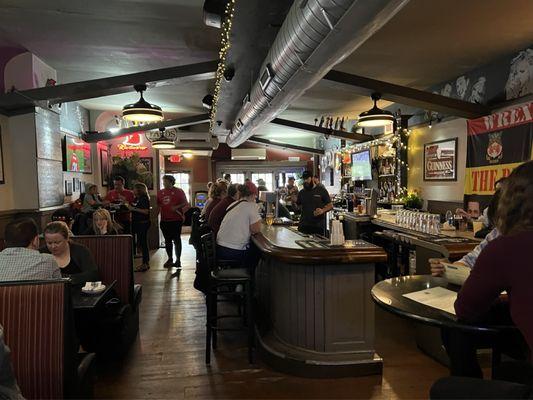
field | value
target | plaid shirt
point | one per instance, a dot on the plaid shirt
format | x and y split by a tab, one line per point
470	258
21	264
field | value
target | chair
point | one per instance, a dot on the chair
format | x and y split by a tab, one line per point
222	278
39	329
114	257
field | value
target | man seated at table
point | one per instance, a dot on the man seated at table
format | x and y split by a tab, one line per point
219	211
21	260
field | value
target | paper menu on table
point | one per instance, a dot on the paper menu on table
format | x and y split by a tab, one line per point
437	297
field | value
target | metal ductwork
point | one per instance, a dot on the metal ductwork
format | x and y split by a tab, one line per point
315	36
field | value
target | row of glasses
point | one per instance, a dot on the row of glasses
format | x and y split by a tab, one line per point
419	221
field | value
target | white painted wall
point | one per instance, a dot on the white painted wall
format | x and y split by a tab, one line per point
445	191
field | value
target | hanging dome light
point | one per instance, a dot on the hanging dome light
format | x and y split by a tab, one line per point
142	111
375	116
162	138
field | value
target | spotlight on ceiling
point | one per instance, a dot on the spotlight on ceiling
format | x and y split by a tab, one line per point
207	101
375	116
142	111
162	138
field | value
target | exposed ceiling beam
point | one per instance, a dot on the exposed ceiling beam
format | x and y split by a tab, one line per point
408	96
284	146
354	137
93	137
105	86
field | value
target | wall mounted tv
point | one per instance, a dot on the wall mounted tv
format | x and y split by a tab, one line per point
76	155
361	166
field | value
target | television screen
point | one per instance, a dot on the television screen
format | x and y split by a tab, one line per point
77	155
361	166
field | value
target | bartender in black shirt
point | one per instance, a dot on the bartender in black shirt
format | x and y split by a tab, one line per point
314	202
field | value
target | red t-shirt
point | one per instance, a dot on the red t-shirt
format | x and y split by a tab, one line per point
122	215
168	198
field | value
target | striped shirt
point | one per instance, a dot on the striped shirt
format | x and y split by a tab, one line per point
470	258
21	264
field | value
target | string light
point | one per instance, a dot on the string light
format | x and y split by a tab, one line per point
223	53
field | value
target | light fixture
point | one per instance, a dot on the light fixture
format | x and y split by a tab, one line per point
142	111
162	139
375	116
188	155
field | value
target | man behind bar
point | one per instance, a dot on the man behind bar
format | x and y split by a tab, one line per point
315	202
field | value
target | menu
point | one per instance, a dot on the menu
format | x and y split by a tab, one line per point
437	297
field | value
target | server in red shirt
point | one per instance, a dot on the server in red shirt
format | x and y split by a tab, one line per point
123	197
172	204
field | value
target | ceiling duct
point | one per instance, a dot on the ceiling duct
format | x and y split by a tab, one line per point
315	36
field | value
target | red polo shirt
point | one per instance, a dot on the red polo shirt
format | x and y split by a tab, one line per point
113	196
168	198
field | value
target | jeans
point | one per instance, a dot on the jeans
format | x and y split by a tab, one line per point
247	258
172	233
140	238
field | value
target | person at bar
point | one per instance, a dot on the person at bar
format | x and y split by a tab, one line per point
209	199
503	265
172	203
314	202
227	178
21	260
316	181
140	217
241	221
216	193
220	210
75	260
121	196
102	224
292	192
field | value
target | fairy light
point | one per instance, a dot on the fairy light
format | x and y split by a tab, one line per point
223	53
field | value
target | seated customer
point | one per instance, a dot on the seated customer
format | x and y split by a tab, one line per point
91	200
241	221
8	383
20	260
216	193
102	224
504	265
219	211
75	260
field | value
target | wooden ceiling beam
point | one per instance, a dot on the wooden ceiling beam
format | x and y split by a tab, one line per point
354	137
68	92
93	137
285	146
408	96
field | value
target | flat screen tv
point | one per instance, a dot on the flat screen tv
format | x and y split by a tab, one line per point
77	155
361	166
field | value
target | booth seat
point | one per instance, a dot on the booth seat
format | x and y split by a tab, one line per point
38	325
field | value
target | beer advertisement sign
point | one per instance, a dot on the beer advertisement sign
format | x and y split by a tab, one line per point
440	160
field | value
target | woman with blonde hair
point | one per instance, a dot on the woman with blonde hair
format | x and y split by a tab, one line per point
75	260
103	224
140	223
216	193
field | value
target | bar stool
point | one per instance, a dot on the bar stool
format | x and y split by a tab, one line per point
224	276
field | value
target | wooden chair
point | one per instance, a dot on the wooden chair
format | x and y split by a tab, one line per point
38	327
223	278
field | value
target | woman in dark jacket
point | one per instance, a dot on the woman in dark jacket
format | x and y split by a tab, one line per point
75	260
140	223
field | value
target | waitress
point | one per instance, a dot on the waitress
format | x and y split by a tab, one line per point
314	202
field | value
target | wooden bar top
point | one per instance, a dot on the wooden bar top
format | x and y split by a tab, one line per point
291	246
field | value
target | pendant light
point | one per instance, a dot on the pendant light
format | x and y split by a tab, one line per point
162	139
375	116
142	111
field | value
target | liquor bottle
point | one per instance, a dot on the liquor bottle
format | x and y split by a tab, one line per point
342	124
321	122
336	123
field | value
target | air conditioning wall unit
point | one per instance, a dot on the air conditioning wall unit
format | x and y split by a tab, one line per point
197	145
248	154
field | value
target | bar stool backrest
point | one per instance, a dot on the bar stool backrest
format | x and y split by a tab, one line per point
209	251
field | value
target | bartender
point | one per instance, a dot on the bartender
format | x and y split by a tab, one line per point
314	202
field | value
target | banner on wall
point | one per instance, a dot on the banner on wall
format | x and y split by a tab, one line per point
497	144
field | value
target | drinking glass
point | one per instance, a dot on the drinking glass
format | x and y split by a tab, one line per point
269	219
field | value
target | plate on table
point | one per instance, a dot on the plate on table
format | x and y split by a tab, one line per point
88	289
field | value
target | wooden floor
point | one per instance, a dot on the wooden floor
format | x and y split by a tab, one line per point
168	359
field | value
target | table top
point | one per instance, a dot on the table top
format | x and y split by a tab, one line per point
82	301
289	245
388	294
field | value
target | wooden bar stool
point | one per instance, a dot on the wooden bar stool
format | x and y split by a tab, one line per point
224	277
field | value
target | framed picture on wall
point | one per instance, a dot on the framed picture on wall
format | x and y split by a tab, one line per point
68	188
75	184
148	172
2	178
440	160
104	167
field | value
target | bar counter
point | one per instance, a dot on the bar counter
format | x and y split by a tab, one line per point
316	312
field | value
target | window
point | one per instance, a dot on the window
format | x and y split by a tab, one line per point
267	177
183	182
236	178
